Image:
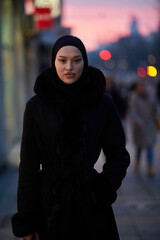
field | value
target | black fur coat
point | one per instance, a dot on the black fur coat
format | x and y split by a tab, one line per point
65	128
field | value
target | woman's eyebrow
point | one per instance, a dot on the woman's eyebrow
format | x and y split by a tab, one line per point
66	56
78	56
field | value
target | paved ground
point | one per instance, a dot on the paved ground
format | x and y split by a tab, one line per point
8	186
137	209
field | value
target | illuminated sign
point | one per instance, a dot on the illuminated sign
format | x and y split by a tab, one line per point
43	19
54	5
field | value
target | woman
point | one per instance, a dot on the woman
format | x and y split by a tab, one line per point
66	124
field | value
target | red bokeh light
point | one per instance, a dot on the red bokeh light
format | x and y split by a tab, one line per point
141	72
105	55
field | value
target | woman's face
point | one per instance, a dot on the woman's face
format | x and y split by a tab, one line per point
69	64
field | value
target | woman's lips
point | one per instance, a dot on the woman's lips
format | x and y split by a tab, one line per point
69	75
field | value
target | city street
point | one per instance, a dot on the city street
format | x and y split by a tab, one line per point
137	209
56	59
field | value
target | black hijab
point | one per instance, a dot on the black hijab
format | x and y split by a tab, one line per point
69	40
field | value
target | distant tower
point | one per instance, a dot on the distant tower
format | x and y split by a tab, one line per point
134	27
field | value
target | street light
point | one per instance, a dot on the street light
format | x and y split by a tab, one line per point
105	55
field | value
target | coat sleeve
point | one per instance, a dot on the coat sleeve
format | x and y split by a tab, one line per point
26	220
114	148
117	159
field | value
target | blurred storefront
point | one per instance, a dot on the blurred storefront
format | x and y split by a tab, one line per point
13	69
24	52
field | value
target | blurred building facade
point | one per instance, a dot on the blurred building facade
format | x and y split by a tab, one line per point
24	52
12	73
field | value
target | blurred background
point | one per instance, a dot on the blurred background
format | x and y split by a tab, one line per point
122	39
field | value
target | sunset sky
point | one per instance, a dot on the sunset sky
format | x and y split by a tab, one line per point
102	21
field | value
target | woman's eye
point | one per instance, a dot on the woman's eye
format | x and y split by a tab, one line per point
77	60
62	60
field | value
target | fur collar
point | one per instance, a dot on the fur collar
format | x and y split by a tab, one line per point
85	91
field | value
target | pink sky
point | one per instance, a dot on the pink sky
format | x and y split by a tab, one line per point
98	24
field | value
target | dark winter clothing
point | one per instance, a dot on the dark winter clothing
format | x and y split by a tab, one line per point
120	103
65	128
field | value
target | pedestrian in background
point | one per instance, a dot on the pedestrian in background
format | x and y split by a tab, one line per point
143	115
66	124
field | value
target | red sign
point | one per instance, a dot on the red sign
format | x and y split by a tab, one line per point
43	18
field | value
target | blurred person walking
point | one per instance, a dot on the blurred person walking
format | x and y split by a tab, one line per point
143	115
66	124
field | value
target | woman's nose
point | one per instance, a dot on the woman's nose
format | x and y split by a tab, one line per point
69	65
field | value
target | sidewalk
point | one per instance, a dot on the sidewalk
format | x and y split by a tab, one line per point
137	209
8	186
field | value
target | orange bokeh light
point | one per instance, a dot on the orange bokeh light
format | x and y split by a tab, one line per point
105	55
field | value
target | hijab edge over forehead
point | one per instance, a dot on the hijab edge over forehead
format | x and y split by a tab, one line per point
69	40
